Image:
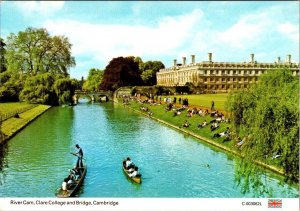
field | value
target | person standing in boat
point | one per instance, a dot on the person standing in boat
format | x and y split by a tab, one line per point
79	154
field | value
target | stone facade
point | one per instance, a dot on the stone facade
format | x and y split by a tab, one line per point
212	76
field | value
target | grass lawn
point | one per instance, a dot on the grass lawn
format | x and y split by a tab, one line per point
204	100
9	109
12	125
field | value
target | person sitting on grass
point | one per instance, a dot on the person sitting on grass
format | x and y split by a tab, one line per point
214	126
202	124
189	114
186	124
240	142
222	134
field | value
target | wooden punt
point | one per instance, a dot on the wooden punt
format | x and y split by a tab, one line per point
74	188
134	179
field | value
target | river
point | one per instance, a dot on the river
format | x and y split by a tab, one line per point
35	161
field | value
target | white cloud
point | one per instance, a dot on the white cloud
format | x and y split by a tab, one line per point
289	30
246	32
44	8
105	41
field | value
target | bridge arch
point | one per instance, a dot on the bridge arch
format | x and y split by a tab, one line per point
99	95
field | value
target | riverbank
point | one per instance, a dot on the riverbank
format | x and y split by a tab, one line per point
13	125
158	113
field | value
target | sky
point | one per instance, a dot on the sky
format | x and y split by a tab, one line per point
102	30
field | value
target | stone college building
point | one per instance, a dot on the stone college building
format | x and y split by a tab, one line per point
212	76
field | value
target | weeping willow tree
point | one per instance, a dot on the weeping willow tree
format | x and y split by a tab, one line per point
267	116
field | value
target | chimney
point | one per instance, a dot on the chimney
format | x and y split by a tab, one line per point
278	60
288	58
175	62
210	57
193	59
183	60
252	57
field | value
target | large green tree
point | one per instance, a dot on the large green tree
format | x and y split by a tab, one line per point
149	70
267	114
65	89
39	89
35	61
35	51
121	72
94	80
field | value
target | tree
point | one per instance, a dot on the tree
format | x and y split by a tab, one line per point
35	60
35	51
150	68
11	85
65	89
140	62
267	114
94	80
39	89
2	57
121	72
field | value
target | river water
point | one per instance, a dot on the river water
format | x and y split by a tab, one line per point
35	161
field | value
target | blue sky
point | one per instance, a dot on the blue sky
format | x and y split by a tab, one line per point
102	30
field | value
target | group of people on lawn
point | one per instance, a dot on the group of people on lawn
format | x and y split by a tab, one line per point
218	118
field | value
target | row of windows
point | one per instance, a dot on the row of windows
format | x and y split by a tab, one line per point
225	86
234	72
230	79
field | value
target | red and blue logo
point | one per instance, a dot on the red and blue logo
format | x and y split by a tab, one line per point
274	203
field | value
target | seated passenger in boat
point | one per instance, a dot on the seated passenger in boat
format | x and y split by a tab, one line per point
76	173
128	163
134	173
64	184
132	169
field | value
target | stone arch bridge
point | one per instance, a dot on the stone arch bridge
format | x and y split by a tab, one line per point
99	95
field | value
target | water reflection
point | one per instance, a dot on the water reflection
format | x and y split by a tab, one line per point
3	162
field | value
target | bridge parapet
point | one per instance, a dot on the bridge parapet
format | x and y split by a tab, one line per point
93	94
